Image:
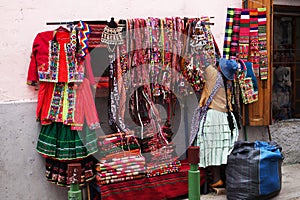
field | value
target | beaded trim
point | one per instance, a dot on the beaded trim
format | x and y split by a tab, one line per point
69	104
50	74
75	69
62	102
112	36
56	102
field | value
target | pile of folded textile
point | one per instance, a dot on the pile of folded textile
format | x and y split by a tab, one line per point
120	169
120	159
159	152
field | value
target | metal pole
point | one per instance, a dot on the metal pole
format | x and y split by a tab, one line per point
194	173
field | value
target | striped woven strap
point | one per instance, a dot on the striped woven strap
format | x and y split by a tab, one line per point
235	33
254	51
262	42
228	32
244	35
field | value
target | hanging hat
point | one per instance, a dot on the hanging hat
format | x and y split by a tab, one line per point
228	68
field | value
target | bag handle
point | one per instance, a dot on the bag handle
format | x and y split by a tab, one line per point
242	65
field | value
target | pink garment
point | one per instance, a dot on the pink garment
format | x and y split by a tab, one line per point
85	108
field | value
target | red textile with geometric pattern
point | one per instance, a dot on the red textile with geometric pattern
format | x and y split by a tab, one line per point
160	187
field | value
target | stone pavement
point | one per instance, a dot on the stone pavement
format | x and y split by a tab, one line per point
290	185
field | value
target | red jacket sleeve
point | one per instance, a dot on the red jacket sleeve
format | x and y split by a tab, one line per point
39	56
32	76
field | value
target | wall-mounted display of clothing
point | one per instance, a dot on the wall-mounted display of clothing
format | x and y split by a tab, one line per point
147	66
246	38
65	108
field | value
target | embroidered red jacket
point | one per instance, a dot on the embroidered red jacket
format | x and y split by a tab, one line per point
53	63
53	59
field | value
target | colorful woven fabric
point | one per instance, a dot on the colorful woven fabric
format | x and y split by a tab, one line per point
228	32
244	35
95	33
246	83
84	32
262	42
254	51
120	169
235	33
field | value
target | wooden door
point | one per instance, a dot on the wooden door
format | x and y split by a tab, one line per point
259	113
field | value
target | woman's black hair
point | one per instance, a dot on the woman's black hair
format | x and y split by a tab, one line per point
229	116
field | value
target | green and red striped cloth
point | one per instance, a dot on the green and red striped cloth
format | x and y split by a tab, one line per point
246	38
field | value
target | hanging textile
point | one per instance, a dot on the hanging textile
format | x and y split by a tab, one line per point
246	39
65	107
254	51
112	37
235	33
262	42
244	35
155	60
228	32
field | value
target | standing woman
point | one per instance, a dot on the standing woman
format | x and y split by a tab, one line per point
214	128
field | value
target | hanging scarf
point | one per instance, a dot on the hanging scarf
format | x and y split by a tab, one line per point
244	35
254	52
235	33
262	40
83	35
228	32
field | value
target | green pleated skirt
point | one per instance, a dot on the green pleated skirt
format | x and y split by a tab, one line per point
216	142
58	141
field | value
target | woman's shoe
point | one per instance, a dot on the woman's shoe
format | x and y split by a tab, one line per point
217	184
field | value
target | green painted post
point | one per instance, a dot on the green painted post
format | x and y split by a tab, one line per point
74	193
74	175
194	173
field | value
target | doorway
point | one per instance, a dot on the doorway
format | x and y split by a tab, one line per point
286	63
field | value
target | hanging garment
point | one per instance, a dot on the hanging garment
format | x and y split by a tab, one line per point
56	171
254	55
65	105
228	33
53	59
235	34
262	42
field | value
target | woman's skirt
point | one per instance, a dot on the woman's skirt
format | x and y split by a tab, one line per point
57	171
59	142
216	142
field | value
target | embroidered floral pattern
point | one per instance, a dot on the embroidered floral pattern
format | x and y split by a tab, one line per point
62	105
56	102
50	74
69	110
75	68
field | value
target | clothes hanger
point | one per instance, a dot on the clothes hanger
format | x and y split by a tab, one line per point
112	23
64	29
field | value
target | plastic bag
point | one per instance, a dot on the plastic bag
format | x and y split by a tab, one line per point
254	170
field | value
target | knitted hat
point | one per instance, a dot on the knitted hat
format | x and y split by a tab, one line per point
228	68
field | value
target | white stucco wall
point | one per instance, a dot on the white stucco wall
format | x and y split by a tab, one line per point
21	20
21	167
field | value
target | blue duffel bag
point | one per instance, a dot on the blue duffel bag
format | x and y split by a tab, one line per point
253	171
